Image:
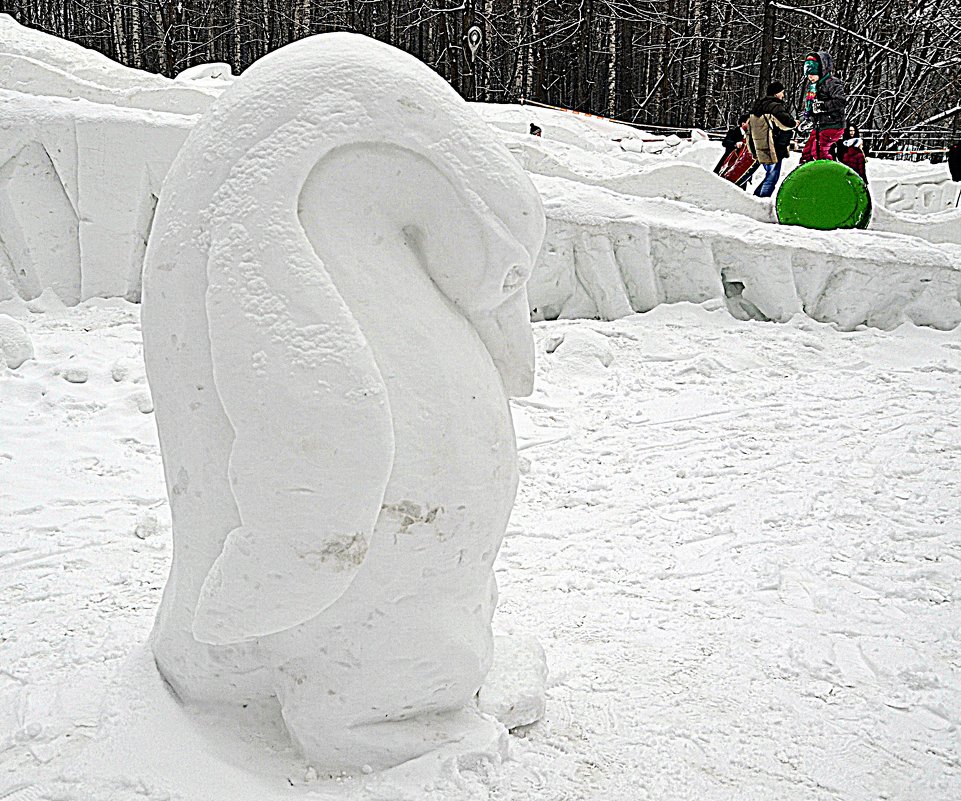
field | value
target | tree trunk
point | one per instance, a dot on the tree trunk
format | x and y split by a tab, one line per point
767	47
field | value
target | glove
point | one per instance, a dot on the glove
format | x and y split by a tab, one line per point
818	107
805	126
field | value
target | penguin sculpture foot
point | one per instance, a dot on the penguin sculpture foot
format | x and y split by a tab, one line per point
378	745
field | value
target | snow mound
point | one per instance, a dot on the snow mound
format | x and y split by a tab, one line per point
15	344
650	176
36	63
578	357
608	255
217	73
585	131
334	313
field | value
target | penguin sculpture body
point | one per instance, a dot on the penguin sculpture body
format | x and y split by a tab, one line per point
334	315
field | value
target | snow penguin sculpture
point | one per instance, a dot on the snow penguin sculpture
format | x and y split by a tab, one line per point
334	315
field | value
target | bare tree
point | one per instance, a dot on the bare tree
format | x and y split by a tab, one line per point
675	63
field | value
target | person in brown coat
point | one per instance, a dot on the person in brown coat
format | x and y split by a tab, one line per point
769	131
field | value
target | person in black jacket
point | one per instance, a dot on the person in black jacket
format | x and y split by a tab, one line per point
954	161
732	140
825	106
769	131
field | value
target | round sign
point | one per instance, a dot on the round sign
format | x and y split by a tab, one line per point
474	38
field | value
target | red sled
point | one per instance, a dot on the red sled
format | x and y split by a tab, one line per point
739	166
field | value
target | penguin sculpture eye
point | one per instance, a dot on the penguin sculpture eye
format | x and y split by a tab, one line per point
516	277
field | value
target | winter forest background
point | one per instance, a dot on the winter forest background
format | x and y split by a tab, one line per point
662	62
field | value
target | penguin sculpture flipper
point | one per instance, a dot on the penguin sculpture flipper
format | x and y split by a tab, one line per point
313	447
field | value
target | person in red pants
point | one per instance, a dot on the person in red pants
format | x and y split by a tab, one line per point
825	106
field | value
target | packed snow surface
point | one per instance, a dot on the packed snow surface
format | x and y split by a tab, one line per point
737	542
334	311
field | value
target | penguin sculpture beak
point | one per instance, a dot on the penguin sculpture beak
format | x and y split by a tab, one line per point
506	333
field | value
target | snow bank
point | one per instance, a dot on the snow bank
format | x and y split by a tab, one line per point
78	187
648	176
609	255
36	63
331	399
85	144
584	131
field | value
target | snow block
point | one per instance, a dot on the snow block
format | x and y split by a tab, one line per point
927	191
824	195
78	186
39	231
85	144
15	344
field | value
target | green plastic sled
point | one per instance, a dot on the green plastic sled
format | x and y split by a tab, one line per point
824	195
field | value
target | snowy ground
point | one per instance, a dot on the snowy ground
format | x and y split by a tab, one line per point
738	543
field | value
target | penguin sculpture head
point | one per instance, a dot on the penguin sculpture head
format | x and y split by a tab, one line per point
475	241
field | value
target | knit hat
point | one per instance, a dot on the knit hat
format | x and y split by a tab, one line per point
774	87
812	65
